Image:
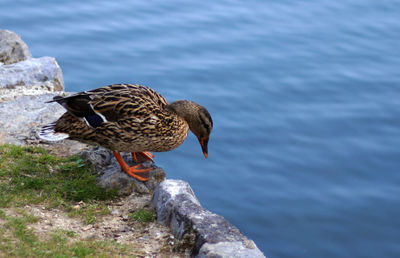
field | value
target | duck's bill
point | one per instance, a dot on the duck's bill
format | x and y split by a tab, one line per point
204	144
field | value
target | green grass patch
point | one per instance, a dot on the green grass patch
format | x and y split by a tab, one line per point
143	215
30	175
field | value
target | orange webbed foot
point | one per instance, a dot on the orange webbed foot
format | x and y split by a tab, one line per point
135	170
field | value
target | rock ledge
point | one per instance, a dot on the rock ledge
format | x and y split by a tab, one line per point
178	208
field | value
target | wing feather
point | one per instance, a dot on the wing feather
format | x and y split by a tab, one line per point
114	102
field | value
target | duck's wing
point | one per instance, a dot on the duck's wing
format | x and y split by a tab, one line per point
111	103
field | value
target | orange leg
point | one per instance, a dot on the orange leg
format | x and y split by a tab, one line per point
134	157
132	171
147	155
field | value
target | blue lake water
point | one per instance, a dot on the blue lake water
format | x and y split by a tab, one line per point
304	157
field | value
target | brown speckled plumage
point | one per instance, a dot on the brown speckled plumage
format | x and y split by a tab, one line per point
131	118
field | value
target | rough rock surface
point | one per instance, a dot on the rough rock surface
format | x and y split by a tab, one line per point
178	208
20	74
30	77
23	117
12	48
111	175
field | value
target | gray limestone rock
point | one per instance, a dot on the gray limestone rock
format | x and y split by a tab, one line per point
23	117
111	175
178	208
30	77
230	249
12	48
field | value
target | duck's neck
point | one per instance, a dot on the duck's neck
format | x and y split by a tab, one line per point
197	117
185	109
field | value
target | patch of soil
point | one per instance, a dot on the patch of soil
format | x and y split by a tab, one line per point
150	239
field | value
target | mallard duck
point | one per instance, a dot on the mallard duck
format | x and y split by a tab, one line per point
129	118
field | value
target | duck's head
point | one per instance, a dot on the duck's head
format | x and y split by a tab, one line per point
198	119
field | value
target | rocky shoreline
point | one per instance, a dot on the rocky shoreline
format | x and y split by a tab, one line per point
27	82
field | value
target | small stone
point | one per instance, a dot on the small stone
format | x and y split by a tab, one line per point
125	229
90	237
115	212
86	228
